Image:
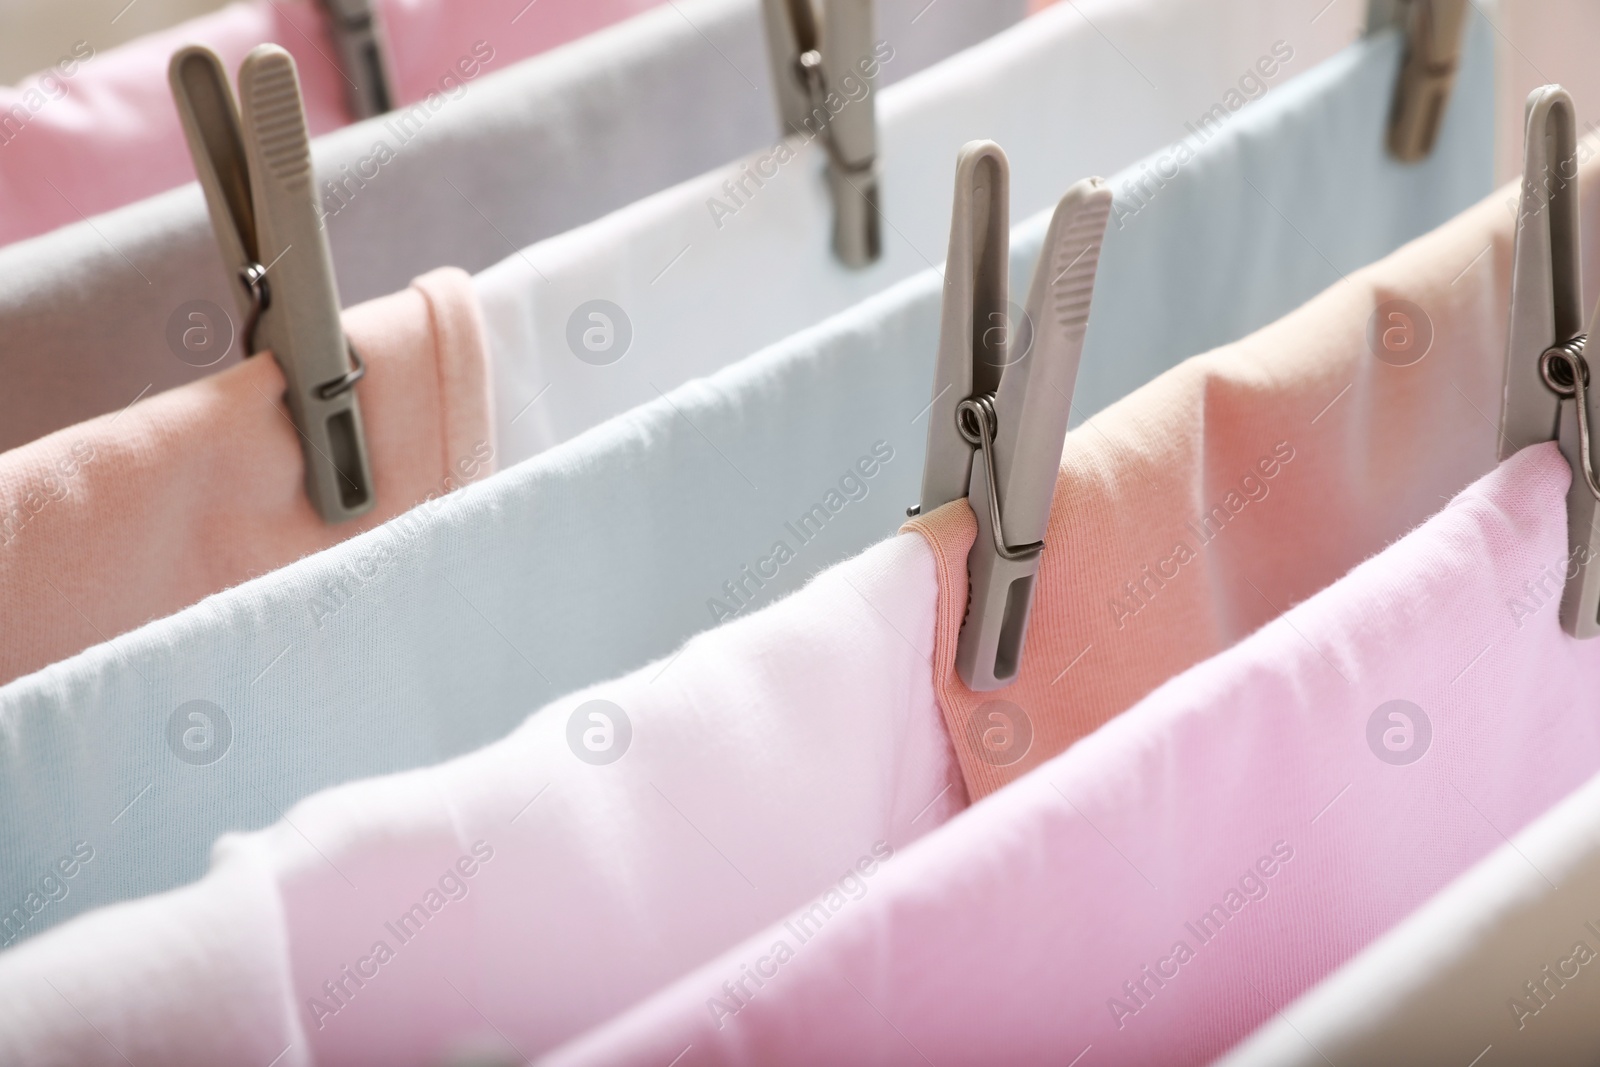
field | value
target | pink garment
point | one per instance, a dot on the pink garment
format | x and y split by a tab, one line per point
129	517
99	130
1158	890
619	838
225	933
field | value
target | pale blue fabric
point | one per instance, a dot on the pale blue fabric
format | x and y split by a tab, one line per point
1290	196
443	629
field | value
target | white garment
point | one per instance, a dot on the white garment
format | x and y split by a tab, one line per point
703	274
769	760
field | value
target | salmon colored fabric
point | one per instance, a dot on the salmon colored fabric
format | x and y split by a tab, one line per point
1213	499
128	517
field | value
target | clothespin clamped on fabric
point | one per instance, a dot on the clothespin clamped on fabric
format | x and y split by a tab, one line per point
825	69
1433	29
1549	394
254	163
1002	396
358	35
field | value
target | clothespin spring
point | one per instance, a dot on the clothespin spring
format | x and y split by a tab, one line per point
977	422
1566	373
259	290
346	382
254	278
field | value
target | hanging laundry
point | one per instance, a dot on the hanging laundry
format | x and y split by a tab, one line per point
1451	985
1165	548
1227	704
1160	889
485	168
131	516
1501	958
609	551
614	841
595	321
96	130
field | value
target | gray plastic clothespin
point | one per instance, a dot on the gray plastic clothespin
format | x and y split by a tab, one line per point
825	71
358	35
1003	396
254	163
1433	30
1548	395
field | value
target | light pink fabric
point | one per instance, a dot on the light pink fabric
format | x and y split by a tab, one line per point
774	759
1044	923
132	516
225	933
98	129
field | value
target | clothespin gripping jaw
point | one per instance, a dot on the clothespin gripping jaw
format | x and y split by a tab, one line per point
253	160
1433	30
975	318
357	34
1548	394
825	70
1003	398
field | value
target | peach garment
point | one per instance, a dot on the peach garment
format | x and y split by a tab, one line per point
128	517
1229	489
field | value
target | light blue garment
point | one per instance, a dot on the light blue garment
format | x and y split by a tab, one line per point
1291	195
441	630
